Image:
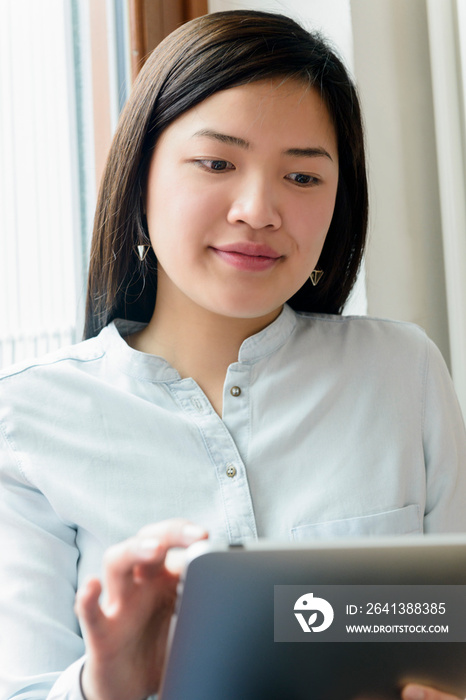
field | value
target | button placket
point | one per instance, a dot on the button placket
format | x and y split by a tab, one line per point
236	406
198	405
225	456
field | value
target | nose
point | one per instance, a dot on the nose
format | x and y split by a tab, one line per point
254	203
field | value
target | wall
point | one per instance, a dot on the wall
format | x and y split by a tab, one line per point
332	17
405	271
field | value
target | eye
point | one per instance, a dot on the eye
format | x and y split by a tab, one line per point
303	180
215	165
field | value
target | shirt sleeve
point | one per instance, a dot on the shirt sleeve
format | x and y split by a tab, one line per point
444	445
68	685
40	635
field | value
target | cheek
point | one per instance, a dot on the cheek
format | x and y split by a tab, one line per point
327	205
182	207
200	206
181	222
312	224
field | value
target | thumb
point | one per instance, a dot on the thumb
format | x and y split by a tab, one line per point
413	691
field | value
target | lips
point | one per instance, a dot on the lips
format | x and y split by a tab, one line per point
246	255
256	250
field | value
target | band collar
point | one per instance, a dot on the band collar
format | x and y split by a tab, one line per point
154	368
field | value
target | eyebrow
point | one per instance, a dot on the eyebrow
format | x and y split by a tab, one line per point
223	138
317	152
308	153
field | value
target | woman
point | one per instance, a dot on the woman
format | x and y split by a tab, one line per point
219	391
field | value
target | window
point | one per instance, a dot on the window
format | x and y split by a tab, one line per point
40	256
65	72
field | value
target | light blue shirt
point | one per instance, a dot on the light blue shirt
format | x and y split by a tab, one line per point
331	426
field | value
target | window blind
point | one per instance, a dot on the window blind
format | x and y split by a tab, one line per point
40	272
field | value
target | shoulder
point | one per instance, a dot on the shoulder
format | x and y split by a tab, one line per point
58	361
363	330
56	379
394	360
39	396
362	323
369	346
86	356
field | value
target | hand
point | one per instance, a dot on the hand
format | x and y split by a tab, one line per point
422	692
126	635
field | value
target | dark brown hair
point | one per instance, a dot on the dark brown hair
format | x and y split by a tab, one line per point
208	54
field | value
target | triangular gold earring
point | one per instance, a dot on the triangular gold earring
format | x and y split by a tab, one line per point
315	276
141	251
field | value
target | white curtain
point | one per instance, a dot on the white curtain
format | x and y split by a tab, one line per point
447	32
410	67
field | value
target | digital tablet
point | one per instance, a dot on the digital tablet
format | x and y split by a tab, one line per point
331	620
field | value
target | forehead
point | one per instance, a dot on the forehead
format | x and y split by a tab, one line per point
286	112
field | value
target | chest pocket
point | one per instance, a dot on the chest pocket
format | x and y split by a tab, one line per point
401	521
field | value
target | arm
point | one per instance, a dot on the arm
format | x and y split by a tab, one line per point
444	443
126	635
37	585
42	652
445	457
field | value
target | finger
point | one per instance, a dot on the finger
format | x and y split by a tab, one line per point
88	610
175	535
174	564
130	563
122	560
176	532
413	691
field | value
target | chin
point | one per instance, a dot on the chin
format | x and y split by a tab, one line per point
246	311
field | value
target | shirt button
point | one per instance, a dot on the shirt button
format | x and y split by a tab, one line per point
235	391
231	470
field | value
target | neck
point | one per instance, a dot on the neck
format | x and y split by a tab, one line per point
199	338
196	342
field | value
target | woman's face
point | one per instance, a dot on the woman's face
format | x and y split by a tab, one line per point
240	195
